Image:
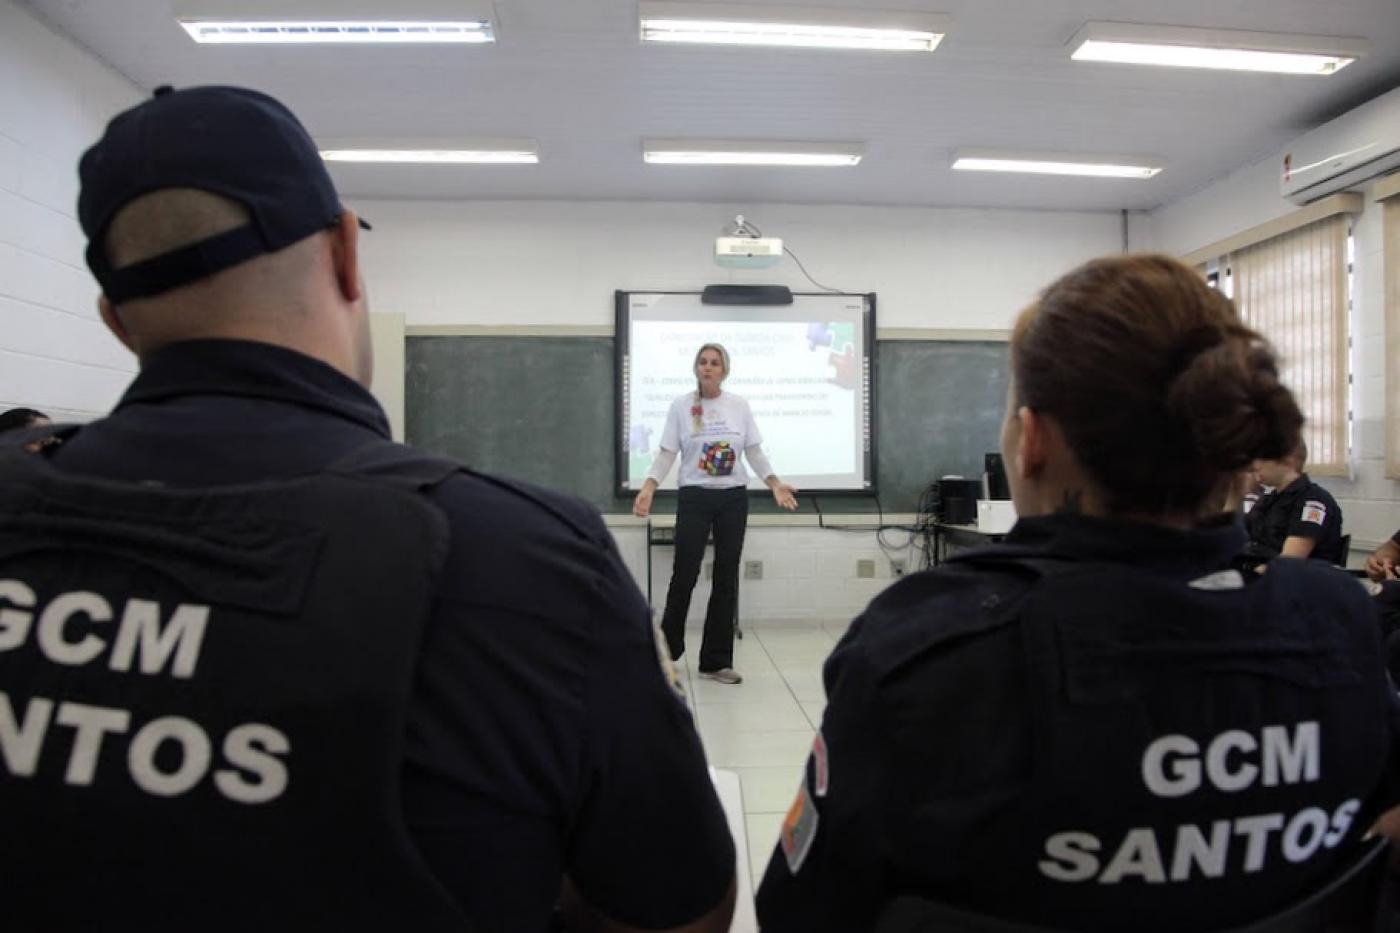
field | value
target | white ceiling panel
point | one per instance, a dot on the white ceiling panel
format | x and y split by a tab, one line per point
573	75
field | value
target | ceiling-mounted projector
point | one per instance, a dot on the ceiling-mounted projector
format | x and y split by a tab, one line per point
743	246
748	252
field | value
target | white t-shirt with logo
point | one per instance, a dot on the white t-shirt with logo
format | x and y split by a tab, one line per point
713	455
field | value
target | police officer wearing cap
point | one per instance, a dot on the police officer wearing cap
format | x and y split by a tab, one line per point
263	669
1296	517
1094	726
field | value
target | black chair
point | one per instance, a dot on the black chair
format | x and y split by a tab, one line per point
1359	900
1346	559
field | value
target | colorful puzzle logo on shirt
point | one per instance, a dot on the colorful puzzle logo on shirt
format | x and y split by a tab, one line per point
717	458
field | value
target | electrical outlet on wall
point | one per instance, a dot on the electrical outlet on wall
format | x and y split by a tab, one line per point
865	569
753	570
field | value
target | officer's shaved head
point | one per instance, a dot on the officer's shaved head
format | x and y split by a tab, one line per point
260	298
167	220
161	222
288	296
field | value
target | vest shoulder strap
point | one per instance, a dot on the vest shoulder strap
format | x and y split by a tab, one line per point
397	465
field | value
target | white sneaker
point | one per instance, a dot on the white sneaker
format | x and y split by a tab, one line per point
725	675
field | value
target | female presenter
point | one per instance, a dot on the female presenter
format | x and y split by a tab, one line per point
709	428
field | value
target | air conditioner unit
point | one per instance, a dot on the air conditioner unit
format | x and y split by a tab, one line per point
1357	146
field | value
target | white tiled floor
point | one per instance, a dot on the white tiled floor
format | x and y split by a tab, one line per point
762	729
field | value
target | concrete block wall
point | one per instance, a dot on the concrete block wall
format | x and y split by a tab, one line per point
809	574
55	98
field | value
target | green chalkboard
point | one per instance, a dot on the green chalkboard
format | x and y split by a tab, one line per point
539	409
939	408
542	409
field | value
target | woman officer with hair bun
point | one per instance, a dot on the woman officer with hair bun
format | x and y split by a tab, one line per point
1097	725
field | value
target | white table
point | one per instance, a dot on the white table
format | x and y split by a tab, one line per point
731	797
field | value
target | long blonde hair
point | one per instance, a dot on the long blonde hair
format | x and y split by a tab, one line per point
696	420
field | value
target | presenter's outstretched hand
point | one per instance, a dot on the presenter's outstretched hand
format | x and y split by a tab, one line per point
641	506
785	496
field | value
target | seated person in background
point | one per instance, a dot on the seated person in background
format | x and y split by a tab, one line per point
1381	565
1297	517
1381	568
16	418
1093	726
337	684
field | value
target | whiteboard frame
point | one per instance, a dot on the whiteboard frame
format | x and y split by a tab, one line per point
622	306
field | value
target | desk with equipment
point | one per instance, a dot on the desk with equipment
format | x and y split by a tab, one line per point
961	537
968	513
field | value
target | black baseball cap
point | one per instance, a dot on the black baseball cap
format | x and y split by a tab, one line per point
231	141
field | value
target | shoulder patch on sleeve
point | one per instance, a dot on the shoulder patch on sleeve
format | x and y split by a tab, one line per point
821	765
799	829
1314	511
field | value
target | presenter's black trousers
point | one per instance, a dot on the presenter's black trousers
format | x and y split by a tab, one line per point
698	512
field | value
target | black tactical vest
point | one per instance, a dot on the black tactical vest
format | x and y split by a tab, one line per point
202	699
1198	756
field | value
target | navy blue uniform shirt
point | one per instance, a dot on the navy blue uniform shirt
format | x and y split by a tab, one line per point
1089	727
1301	509
543	738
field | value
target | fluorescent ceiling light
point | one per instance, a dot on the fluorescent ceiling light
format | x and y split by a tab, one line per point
749	152
319	23
1183	47
1040	163
333	32
429	156
792	26
433	152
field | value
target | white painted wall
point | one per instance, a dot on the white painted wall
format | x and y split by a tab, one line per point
500	263
1249	196
809	574
553	263
387	337
55	98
